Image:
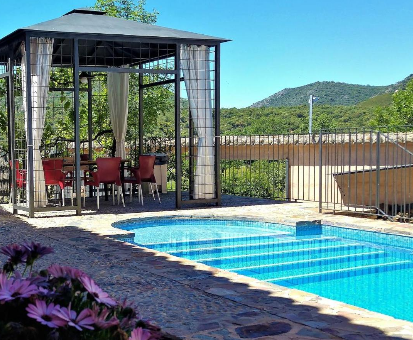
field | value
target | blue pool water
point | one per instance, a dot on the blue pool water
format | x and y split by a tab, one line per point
366	269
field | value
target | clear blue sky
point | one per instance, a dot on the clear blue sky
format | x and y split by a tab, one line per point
276	43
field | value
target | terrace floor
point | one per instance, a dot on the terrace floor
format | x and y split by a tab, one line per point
194	301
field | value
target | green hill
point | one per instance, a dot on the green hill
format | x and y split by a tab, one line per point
384	99
292	119
273	120
330	93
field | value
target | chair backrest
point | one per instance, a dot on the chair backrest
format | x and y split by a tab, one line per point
108	170
20	174
146	166
135	173
53	174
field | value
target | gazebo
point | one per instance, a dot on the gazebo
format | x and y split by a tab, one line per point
84	42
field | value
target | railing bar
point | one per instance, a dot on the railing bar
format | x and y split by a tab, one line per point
356	151
349	170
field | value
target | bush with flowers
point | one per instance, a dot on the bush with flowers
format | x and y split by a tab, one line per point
61	303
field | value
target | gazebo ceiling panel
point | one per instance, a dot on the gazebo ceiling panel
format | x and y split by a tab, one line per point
110	53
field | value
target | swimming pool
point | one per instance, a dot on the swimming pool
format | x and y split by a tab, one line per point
363	268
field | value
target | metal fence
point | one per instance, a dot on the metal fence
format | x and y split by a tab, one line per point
367	172
348	170
353	171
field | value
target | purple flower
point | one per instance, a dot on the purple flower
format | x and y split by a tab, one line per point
16	253
100	320
47	293
3	279
140	334
64	272
44	314
35	251
39	281
94	290
83	320
15	288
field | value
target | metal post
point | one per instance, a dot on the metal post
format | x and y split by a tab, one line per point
178	171
310	123
90	125
140	112
30	156
218	123
191	156
89	116
287	179
378	172
11	134
320	174
77	124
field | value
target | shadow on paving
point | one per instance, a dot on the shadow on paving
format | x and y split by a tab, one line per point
151	205
182	298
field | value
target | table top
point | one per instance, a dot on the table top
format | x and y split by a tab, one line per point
69	163
90	162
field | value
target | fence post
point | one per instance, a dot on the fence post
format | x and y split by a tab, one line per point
378	172
287	180
320	173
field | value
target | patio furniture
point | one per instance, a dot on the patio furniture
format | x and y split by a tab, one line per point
146	173
20	180
54	175
69	168
107	172
134	179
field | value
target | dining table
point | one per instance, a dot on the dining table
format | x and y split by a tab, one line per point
70	163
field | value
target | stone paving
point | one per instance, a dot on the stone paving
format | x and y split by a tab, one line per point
192	300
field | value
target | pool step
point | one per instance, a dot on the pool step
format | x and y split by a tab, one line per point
291	281
215	242
258	248
265	259
317	267
285	265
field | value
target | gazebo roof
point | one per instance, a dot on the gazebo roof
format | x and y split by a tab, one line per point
85	21
117	41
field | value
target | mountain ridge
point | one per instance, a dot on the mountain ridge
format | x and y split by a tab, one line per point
330	93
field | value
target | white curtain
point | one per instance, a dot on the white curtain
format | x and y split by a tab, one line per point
196	69
118	90
41	52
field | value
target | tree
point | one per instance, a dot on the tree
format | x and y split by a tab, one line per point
399	113
156	100
127	9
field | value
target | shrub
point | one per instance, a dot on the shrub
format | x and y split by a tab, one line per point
60	303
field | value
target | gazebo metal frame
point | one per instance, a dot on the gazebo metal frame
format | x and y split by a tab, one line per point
101	30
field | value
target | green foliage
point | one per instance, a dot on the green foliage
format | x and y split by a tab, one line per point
127	9
380	100
283	120
399	113
263	179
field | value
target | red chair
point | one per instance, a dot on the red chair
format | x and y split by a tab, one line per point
20	180
54	175
146	173
108	172
133	179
